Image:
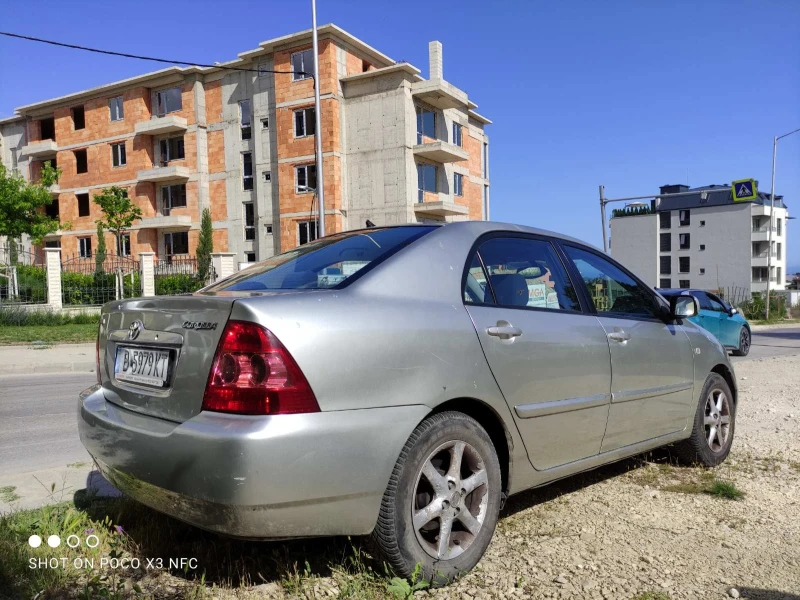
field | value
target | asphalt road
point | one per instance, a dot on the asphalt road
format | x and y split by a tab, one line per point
38	421
38	411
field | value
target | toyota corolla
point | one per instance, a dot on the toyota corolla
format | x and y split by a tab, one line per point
398	381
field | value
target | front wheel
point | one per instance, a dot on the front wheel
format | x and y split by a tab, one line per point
744	343
714	425
440	508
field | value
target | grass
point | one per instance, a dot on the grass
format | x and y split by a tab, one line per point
342	567
651	596
50	334
8	494
725	489
683	480
775	322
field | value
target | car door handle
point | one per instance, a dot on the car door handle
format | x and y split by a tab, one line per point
619	336
504	332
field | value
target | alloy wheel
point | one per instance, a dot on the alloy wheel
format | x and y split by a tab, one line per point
717	420
744	341
451	496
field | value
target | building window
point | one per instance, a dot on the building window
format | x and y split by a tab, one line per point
173	196
306	232
267	176
47	128
249	221
118	158
263	69
780	251
265	123
684	265
665	242
458	184
52	244
426	180
665	265
665	283
702	271
81	161
684	241
268	228
664	219
247	171
51	210
426	124
684	217
303	65
779	227
116	108
250	257
702	223
684	283
457	134
702	246
486	202
168	101
85	247
305	178
78	118
779	274
304	122
83	204
171	149
485	160
124	245
245	119
176	242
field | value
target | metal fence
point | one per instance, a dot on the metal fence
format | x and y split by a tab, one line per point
23	276
179	275
94	280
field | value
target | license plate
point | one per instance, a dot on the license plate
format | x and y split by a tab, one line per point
142	366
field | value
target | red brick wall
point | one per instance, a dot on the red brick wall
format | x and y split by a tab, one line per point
214	101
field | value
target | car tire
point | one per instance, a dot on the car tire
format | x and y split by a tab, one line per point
426	492
744	342
713	427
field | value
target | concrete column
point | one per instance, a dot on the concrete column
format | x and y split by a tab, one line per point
224	264
435	61
146	273
53	266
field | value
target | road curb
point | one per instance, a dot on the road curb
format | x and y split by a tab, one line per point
64	367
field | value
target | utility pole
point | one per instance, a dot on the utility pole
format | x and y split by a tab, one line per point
603	217
772	215
318	124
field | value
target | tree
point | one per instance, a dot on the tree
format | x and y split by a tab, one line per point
118	210
100	254
205	246
22	204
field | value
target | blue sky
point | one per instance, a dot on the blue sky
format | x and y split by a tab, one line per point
631	95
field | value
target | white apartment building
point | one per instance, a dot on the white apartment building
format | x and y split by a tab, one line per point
703	240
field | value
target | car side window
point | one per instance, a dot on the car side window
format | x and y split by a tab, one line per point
611	289
524	272
716	304
703	300
475	288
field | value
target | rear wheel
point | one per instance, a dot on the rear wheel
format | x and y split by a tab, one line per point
714	425
744	343
440	508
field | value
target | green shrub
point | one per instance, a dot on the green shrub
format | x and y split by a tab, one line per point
95	289
755	308
32	286
17	316
170	285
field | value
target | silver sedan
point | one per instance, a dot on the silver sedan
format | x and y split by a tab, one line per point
399	382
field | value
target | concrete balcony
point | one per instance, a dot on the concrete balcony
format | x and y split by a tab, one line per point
55	189
160	125
762	234
441	152
762	259
440	94
167	222
443	208
163	174
43	149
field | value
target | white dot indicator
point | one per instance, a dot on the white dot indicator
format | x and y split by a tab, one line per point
54	541
92	541
34	541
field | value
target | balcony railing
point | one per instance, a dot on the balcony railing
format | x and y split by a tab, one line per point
763	228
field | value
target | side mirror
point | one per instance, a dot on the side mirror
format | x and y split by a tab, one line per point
683	307
734	311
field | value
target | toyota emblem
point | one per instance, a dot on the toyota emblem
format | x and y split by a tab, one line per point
135	329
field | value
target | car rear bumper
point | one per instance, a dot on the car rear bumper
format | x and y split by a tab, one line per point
254	477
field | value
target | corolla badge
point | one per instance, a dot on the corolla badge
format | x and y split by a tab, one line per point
199	325
135	329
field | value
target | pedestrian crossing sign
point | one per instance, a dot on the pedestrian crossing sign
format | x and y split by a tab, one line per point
744	190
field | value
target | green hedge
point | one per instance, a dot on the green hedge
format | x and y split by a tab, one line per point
32	285
96	288
170	285
16	316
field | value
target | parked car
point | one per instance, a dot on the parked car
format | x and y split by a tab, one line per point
720	318
399	381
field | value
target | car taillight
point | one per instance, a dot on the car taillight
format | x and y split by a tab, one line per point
254	374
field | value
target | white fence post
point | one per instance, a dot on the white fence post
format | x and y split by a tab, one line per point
224	264
147	273
53	267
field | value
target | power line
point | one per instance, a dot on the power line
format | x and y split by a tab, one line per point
150	58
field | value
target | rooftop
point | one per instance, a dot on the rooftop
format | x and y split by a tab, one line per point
716	195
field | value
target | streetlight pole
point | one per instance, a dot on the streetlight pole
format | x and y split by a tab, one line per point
318	123
772	215
603	217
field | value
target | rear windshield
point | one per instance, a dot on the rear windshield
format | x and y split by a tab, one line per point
325	263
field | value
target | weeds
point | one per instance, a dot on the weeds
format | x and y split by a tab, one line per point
8	494
403	590
651	596
725	489
19	317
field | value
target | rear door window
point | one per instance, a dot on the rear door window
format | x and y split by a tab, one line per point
325	263
519	272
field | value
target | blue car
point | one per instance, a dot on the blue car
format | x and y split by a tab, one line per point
720	318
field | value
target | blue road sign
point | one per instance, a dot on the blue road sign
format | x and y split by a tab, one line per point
744	190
